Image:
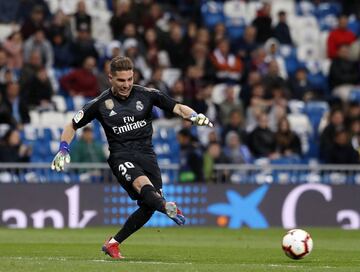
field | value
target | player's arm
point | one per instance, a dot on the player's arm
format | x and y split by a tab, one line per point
189	114
63	155
82	118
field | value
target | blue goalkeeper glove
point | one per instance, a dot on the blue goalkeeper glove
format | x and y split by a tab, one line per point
61	157
200	120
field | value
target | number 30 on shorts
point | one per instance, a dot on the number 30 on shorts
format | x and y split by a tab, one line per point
124	167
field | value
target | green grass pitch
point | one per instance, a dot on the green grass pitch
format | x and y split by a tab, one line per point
175	249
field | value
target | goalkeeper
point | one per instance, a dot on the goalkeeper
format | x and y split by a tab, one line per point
125	113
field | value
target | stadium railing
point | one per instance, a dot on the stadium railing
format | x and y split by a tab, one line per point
229	173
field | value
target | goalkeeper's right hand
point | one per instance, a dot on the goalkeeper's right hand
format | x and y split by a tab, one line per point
61	157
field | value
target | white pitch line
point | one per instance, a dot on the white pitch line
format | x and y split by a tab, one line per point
63	259
142	262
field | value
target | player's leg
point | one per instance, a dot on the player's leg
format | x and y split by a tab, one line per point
151	197
135	221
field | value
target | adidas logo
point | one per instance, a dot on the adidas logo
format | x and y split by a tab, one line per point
112	113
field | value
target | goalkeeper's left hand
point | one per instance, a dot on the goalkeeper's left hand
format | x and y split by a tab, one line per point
200	120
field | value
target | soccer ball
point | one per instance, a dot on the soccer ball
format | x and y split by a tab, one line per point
297	244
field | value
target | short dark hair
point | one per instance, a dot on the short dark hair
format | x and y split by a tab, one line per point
121	63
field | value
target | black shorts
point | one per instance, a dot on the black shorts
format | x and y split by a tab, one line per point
128	166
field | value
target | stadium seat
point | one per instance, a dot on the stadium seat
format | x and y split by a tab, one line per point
52	118
296	106
354	25
355	95
315	110
235	27
79	102
3	129
305	8
212	13
170	75
5	31
327	14
59	102
286	5
234	9
35	117
301	125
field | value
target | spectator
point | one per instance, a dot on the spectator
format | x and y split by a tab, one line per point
339	36
130	32
103	77
63	57
273	78
228	66
13	46
262	23
235	124
235	150
38	42
83	46
39	91
287	142
113	49
300	87
82	81
282	31
155	56
60	25
272	49
81	17
344	74
199	66
120	18
262	141
253	78
191	158
215	155
203	37
17	105
230	103
157	81
35	22
12	149
336	123
245	45
177	47
259	103
342	152
131	50
87	149
152	15
258	61
30	68
5	112
219	33
352	113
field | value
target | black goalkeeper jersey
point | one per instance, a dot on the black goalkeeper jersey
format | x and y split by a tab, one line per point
127	122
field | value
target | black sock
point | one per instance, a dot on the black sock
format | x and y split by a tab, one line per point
135	221
152	198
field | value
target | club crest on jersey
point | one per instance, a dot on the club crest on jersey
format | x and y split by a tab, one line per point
78	116
109	104
139	105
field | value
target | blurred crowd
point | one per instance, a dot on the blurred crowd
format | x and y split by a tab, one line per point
243	83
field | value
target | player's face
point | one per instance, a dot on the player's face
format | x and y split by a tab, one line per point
122	82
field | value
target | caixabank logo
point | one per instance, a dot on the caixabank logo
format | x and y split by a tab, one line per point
240	210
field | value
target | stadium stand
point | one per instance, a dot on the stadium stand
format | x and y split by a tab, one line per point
310	24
